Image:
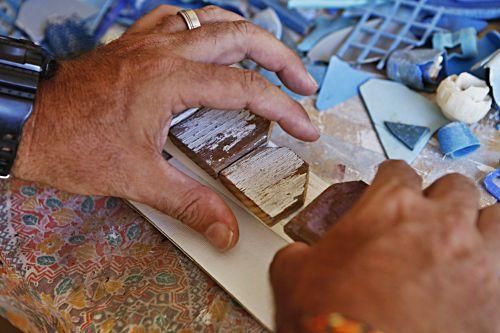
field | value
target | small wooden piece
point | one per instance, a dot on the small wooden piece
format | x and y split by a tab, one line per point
270	182
214	139
321	214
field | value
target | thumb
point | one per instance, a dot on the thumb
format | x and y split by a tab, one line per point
179	196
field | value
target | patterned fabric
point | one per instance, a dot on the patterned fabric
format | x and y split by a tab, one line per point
337	323
90	264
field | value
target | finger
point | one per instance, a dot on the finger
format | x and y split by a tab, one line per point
396	172
282	264
207	15
457	192
489	226
227	88
230	42
179	196
151	19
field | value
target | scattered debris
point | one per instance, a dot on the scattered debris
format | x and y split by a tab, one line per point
269	20
420	69
340	84
456	140
388	101
409	135
492	63
464	98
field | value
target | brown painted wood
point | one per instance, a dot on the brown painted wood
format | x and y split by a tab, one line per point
324	212
214	139
270	182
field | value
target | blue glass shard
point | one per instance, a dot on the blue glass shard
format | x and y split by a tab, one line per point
324	27
341	83
290	17
409	135
491	182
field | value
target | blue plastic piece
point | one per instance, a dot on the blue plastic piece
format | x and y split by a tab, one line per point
324	27
368	44
485	9
68	37
289	17
339	4
465	39
485	46
420	69
409	135
491	182
456	140
341	83
455	23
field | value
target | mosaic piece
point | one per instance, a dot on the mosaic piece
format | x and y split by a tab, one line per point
324	212
409	135
270	182
214	139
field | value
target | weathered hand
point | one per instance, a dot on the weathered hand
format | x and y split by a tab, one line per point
101	122
401	260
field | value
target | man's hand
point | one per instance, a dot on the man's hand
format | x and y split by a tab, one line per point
402	260
100	124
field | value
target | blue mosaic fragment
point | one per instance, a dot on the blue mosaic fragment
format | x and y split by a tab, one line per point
490	183
456	140
409	135
466	39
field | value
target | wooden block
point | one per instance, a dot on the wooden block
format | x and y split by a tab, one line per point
214	139
271	182
321	214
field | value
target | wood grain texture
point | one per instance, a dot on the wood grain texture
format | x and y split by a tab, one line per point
321	214
270	182
214	139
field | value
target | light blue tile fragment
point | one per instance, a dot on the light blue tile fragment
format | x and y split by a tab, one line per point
456	140
324	27
268	20
340	84
391	101
465	40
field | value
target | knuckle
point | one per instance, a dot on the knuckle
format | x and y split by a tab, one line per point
457	179
243	27
211	10
394	164
253	80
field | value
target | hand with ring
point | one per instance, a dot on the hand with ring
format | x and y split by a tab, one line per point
100	123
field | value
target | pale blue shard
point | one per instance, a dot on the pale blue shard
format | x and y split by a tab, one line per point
456	140
480	9
340	84
464	40
289	17
268	20
324	27
394	102
420	69
491	65
409	135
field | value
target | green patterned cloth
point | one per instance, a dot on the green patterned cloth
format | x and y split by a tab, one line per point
74	263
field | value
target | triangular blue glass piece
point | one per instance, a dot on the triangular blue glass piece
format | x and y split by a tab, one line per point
410	135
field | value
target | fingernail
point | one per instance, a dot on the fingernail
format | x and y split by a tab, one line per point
316	128
220	236
313	81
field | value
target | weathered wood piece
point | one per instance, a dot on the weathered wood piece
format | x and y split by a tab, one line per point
270	182
214	139
321	214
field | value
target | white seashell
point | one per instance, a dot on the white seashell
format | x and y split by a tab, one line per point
464	98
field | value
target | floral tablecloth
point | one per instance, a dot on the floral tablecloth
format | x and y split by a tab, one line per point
74	263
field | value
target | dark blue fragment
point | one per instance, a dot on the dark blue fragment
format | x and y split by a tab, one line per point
409	135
